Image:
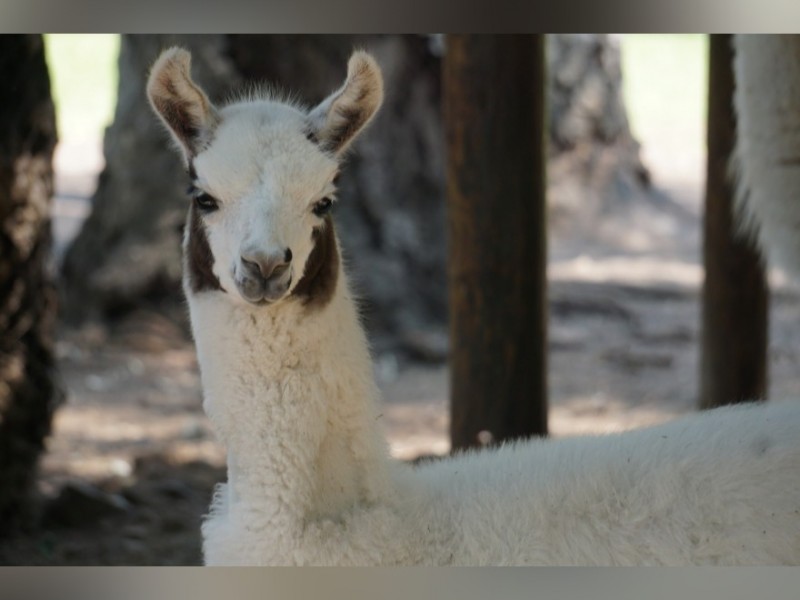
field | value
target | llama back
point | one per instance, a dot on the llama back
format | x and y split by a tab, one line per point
722	487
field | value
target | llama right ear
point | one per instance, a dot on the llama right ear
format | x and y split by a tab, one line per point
180	103
336	121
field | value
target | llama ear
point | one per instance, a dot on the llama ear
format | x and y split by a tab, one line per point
337	119
180	103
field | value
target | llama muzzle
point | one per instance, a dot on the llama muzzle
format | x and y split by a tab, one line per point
263	277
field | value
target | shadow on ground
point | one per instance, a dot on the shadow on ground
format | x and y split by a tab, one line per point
151	517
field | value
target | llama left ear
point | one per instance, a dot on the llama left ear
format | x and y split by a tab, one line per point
180	103
336	121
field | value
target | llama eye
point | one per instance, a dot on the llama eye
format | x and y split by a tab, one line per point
322	207
206	202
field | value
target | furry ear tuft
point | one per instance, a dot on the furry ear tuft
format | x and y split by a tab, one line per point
180	103
337	120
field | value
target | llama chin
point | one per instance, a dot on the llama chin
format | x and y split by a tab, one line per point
288	386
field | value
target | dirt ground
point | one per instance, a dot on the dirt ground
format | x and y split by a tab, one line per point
132	461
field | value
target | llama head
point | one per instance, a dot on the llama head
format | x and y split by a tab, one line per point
263	177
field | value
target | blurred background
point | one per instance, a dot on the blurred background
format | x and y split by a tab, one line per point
130	462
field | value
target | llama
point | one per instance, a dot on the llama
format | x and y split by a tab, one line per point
767	156
288	386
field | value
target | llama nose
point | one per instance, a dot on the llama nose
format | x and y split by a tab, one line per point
267	265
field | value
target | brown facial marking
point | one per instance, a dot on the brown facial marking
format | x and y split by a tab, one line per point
198	256
318	284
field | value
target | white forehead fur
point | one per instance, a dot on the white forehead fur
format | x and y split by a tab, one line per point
259	143
266	175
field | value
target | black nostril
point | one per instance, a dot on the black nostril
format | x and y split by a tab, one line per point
287	256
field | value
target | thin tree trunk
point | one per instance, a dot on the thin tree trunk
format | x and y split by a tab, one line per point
28	391
735	295
495	130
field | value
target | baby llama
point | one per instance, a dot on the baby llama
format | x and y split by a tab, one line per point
288	385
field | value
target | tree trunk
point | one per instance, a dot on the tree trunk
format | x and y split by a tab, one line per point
735	295
495	128
128	252
28	389
594	166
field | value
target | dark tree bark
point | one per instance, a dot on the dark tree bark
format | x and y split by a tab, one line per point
391	217
495	127
28	389
735	294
